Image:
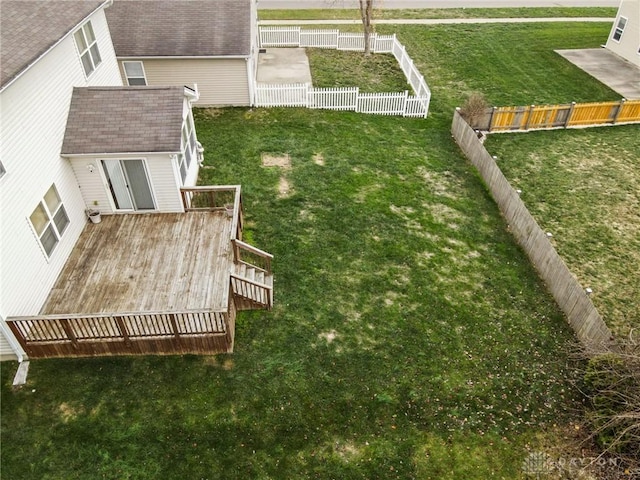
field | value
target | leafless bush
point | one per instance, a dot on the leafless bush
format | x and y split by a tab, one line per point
612	383
474	108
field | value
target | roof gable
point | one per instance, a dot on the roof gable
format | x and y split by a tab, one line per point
28	28
187	28
124	120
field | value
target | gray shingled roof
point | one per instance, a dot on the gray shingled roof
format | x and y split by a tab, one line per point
124	119
30	28
194	28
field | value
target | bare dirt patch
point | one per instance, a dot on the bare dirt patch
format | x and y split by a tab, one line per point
282	160
318	159
284	188
68	412
329	336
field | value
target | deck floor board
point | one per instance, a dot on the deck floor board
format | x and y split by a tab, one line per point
144	263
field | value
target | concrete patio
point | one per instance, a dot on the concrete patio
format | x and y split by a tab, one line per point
621	76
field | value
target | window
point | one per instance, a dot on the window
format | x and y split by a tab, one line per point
134	71
49	220
188	146
88	48
617	33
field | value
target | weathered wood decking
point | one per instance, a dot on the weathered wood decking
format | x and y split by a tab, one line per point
154	283
157	262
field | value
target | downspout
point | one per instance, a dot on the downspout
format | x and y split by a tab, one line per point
251	81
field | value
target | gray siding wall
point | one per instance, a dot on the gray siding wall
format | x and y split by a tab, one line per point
221	82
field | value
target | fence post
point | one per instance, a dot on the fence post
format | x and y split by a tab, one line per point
569	115
404	104
526	125
615	118
493	112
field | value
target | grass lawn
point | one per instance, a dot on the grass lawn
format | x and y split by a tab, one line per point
410	338
525	12
584	186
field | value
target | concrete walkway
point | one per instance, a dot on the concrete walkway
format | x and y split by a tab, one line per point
438	21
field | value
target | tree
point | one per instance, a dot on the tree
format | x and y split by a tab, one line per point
366	15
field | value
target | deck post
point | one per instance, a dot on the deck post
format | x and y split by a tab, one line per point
123	329
174	326
69	331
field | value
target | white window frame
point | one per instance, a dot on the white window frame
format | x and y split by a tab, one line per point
89	50
128	77
618	30
188	146
56	220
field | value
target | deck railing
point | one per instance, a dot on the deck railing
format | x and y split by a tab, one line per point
252	256
205	198
124	333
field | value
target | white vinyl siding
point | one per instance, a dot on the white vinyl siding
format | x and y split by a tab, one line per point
134	73
221	82
34	115
164	181
87	45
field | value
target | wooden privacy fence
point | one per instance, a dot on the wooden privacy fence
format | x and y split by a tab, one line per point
582	315
349	98
125	333
534	117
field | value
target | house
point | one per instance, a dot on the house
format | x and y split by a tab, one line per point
624	39
166	270
213	43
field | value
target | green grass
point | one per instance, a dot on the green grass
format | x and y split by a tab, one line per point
410	336
584	186
374	73
352	14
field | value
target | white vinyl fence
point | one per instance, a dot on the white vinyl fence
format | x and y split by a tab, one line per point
302	95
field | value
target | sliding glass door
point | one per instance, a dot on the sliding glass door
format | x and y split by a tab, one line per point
129	184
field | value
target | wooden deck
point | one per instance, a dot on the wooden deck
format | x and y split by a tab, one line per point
147	263
154	284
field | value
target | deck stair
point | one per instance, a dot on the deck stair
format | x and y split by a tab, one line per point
252	285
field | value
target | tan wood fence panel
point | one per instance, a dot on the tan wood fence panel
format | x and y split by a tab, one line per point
533	117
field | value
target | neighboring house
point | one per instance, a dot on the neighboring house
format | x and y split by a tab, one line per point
73	138
624	39
211	43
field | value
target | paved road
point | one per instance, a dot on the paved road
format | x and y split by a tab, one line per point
300	4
